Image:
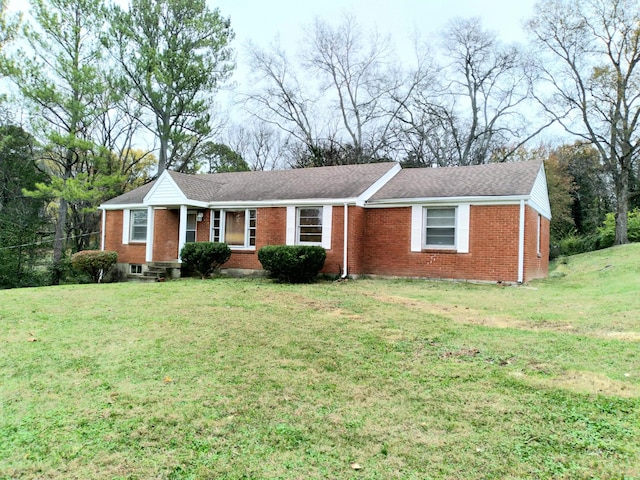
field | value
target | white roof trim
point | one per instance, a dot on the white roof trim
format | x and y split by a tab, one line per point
122	206
401	202
296	202
377	185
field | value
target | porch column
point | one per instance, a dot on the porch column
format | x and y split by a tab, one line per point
182	235
150	223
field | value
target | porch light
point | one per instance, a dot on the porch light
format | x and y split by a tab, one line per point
199	216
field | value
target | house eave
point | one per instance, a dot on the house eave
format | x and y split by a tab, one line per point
297	202
485	200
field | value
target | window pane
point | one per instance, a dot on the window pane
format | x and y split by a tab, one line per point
138	225
310	225
441	236
440	227
234	228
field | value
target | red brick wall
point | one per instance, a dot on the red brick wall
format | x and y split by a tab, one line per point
535	266
379	243
203	228
493	246
131	253
355	250
271	224
165	235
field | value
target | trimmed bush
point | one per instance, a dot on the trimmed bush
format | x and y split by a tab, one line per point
293	263
94	263
205	257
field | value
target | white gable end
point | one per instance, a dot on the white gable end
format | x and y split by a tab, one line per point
165	192
539	198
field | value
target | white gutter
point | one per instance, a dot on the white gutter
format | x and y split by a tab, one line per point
104	227
521	244
346	239
404	202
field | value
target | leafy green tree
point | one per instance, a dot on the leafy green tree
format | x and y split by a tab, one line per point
220	158
592	195
22	224
60	76
174	55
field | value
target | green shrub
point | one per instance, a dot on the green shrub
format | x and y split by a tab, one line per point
573	244
607	232
204	257
94	263
293	263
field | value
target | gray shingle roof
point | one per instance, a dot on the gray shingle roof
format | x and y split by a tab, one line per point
133	197
338	182
350	181
494	179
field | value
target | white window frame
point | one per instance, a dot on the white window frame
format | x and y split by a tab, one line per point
194	215
292	230
299	226
249	231
419	228
425	227
132	225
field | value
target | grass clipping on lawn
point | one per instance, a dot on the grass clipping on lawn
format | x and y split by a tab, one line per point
239	379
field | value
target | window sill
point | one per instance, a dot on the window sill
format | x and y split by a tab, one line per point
439	250
242	250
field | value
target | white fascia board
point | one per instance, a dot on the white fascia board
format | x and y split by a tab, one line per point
407	202
301	202
123	206
187	202
377	185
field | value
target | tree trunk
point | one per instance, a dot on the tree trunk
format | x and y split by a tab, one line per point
58	243
622	207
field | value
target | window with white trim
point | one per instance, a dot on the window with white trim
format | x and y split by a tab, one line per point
192	222
309	225
138	232
440	227
236	228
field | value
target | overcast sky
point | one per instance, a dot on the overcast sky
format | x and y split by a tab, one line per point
262	20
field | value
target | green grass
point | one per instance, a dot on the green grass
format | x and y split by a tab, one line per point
232	379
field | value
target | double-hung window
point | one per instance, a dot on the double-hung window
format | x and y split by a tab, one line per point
138	232
309	225
236	228
192	224
440	227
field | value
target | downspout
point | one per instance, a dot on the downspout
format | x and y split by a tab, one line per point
346	240
104	225
521	244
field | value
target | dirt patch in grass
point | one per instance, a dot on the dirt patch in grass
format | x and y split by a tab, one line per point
584	382
466	315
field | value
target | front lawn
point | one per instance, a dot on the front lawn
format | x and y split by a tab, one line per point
232	379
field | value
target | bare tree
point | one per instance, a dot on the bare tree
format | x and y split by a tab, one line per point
469	110
259	144
590	55
345	103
